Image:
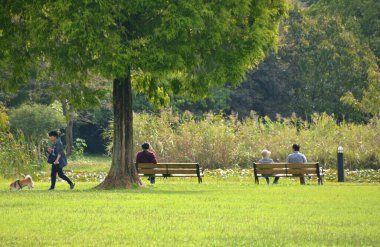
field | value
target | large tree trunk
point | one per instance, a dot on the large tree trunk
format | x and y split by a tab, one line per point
69	127
123	172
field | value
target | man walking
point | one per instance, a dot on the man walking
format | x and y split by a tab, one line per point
57	159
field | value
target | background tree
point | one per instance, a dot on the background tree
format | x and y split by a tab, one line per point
321	58
75	97
352	12
370	101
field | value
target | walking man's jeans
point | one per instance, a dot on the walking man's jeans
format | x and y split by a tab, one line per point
54	170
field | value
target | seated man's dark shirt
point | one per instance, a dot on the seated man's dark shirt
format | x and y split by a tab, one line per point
146	157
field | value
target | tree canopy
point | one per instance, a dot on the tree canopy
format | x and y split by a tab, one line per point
159	47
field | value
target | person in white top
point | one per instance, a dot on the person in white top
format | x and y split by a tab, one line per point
266	160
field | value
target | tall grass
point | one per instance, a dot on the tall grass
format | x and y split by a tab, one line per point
17	156
218	141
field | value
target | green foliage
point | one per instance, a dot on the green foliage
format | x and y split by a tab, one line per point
4	120
216	141
326	60
16	67
79	146
364	13
216	213
321	58
35	121
185	46
370	101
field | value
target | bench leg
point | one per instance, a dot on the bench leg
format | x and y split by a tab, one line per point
302	180
256	180
200	180
267	179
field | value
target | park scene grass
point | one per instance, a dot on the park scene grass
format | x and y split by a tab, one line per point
180	212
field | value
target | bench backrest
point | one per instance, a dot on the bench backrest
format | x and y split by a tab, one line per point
169	168
286	169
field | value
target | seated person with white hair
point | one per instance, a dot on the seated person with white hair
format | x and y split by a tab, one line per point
266	160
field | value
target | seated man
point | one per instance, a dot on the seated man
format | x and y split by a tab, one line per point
147	156
266	160
297	158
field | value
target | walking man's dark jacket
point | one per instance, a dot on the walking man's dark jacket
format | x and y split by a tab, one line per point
58	149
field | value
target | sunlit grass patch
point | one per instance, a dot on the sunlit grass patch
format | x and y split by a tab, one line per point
181	212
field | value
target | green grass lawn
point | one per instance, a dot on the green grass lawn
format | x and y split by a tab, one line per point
90	164
179	212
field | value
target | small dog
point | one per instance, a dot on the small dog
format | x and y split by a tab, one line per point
19	184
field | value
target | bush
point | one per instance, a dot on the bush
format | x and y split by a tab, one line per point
79	146
217	141
4	120
35	121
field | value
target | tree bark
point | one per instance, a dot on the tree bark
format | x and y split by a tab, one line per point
123	173
69	137
39	156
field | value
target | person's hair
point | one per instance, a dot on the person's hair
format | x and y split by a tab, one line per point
145	146
296	147
54	133
265	153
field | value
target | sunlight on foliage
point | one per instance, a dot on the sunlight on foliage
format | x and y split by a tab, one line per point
217	141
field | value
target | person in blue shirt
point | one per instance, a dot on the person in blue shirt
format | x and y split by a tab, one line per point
58	160
295	158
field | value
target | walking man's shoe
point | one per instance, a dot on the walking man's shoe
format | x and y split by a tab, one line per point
72	186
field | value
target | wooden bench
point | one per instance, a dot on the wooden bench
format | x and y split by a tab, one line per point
171	170
288	170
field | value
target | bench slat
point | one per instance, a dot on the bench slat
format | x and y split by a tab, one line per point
270	172
283	165
314	165
270	165
151	166
170	175
169	165
168	171
302	171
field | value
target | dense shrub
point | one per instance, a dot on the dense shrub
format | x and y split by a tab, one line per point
36	120
4	119
217	141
